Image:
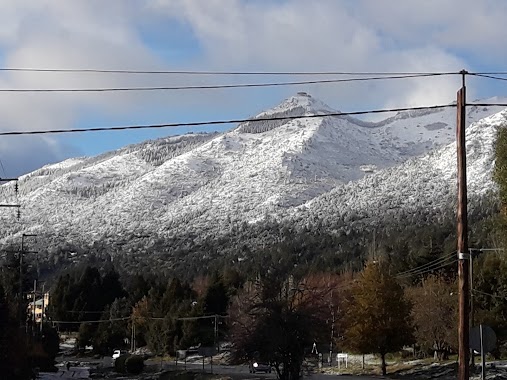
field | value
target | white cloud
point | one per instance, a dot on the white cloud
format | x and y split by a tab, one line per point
48	34
472	27
321	35
297	35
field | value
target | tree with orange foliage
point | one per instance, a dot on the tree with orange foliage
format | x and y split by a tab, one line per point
379	315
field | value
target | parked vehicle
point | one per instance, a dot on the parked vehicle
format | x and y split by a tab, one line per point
256	366
118	353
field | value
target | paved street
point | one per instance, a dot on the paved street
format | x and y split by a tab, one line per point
71	373
80	369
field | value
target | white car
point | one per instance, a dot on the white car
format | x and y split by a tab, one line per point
118	353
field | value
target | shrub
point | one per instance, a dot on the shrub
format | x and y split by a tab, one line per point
134	364
120	365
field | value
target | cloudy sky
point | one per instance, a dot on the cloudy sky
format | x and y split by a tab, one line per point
225	35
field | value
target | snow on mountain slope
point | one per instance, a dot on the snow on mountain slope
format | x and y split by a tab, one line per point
205	183
427	182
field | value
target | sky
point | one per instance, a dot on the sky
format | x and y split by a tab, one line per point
225	35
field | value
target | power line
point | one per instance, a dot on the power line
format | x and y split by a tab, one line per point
220	122
440	259
94	321
488	76
214	87
208	72
145	318
487	104
83	311
488	294
431	268
488	73
202	317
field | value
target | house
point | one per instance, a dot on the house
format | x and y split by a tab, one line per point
40	304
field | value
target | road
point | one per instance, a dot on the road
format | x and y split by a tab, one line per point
241	372
79	369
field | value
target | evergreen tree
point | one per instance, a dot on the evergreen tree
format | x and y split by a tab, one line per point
13	344
500	171
216	298
111	335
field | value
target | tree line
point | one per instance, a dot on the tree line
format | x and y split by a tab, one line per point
278	312
278	309
357	294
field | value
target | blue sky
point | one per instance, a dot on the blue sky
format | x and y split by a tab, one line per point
225	35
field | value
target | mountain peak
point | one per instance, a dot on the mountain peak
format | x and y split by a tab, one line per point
300	104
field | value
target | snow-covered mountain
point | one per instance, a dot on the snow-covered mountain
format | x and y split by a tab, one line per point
202	186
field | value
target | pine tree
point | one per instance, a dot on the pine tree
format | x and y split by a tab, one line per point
13	348
500	173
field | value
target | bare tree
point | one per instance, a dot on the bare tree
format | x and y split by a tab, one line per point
278	318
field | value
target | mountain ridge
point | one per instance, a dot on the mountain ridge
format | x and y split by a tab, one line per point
203	186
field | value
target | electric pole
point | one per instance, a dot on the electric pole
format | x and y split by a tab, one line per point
215	333
21	253
43	309
462	237
33	306
472	253
15	180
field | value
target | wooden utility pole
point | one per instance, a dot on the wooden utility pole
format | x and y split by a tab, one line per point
21	253
462	237
15	180
33	306
43	309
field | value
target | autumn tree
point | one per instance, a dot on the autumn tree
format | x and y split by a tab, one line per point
435	315
378	316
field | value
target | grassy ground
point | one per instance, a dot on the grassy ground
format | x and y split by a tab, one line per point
396	366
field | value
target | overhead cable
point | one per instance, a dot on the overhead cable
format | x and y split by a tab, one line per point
488	73
220	122
488	294
93	321
431	268
488	76
215	87
487	104
211	72
424	266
